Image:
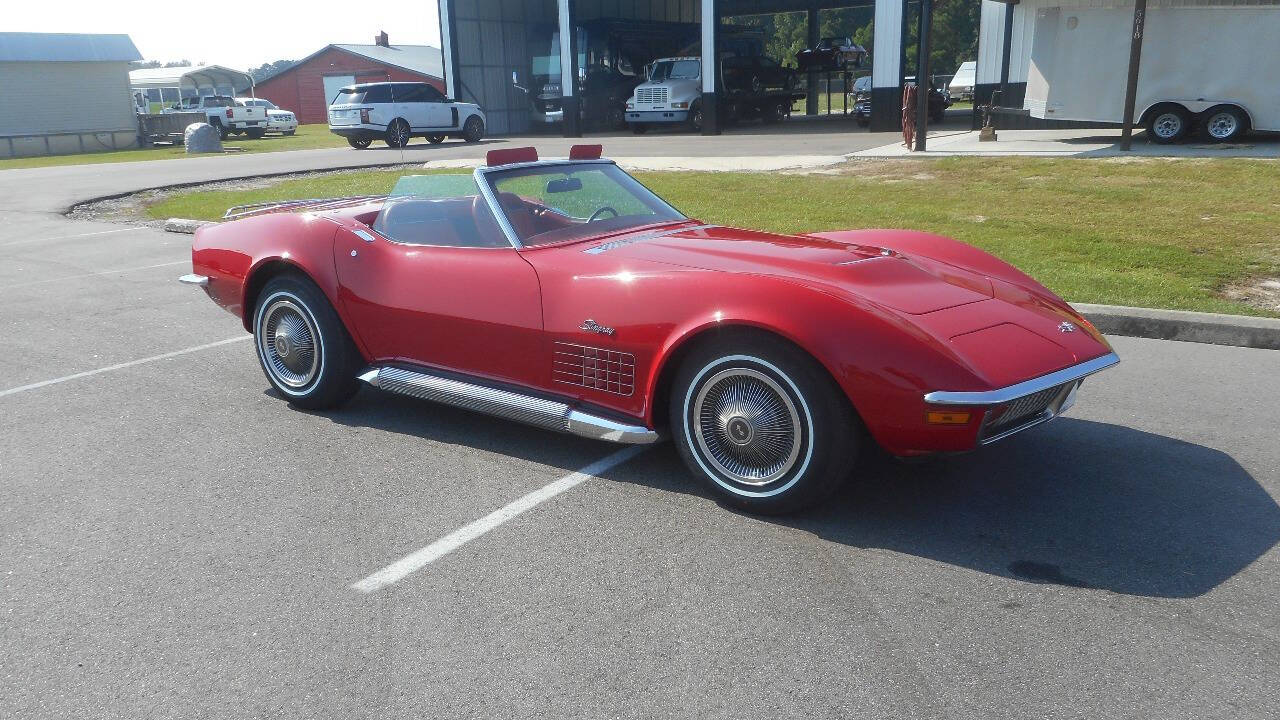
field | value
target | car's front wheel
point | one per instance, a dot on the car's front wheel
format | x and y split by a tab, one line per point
762	424
303	348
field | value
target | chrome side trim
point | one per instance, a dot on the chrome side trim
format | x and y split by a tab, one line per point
197	280
1034	385
539	412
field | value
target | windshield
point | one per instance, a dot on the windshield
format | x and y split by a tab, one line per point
675	70
559	203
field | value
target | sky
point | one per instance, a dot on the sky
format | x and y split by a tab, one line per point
236	35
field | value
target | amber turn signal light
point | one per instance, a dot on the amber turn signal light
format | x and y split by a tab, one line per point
946	417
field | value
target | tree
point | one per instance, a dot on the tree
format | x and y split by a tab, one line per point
267	70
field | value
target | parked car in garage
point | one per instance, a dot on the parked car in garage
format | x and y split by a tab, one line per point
961	85
833	53
939	101
564	294
395	112
757	74
226	115
281	121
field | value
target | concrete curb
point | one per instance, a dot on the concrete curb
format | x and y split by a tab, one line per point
1210	328
183	225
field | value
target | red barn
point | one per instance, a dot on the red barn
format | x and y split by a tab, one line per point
308	85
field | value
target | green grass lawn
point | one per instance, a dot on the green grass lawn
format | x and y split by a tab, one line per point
308	137
1150	233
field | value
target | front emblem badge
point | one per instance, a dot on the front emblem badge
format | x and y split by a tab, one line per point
592	326
1066	327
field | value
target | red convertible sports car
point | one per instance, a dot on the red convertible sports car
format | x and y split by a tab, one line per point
564	294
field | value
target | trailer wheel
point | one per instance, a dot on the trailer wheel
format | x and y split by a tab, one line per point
1168	124
1225	123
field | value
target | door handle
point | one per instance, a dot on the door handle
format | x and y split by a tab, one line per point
363	235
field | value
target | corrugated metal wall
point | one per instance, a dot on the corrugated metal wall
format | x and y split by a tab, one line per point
65	97
493	38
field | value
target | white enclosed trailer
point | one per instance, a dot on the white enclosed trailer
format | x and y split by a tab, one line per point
1206	65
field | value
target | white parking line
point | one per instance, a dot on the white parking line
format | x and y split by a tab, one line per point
465	534
94	274
67	237
121	366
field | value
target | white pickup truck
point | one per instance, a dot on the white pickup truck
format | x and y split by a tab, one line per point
226	115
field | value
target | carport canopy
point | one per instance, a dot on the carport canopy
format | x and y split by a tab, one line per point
198	78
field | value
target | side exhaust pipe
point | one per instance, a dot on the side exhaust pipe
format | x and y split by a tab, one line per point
536	411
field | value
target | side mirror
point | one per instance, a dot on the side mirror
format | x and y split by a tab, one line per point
563	185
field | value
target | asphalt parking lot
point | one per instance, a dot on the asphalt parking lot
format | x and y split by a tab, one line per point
176	541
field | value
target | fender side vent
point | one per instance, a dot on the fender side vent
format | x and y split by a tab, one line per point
595	368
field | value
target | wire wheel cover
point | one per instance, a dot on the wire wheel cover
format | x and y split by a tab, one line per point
287	337
746	426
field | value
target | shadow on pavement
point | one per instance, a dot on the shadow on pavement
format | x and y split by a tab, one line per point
1076	503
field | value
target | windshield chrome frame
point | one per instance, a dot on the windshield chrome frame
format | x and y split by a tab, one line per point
491	198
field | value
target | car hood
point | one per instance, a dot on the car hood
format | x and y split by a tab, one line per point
970	303
879	274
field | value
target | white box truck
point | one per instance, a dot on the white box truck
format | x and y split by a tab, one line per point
1205	67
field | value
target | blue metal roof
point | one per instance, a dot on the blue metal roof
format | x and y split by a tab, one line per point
66	47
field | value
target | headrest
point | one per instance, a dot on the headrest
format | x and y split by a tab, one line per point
509	156
585	152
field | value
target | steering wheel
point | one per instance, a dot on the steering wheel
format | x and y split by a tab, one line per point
596	215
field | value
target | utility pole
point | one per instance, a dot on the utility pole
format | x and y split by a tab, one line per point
1135	62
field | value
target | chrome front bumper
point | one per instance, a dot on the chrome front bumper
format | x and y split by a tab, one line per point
1025	404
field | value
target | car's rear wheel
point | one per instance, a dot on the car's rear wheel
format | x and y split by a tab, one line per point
223	133
435	139
359	143
303	348
762	424
290	132
397	135
473	130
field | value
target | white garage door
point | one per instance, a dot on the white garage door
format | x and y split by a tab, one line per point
334	83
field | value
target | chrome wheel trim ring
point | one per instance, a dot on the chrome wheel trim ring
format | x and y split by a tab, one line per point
289	343
795	467
1222	125
1168	125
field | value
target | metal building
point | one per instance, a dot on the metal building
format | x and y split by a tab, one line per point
486	41
65	93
